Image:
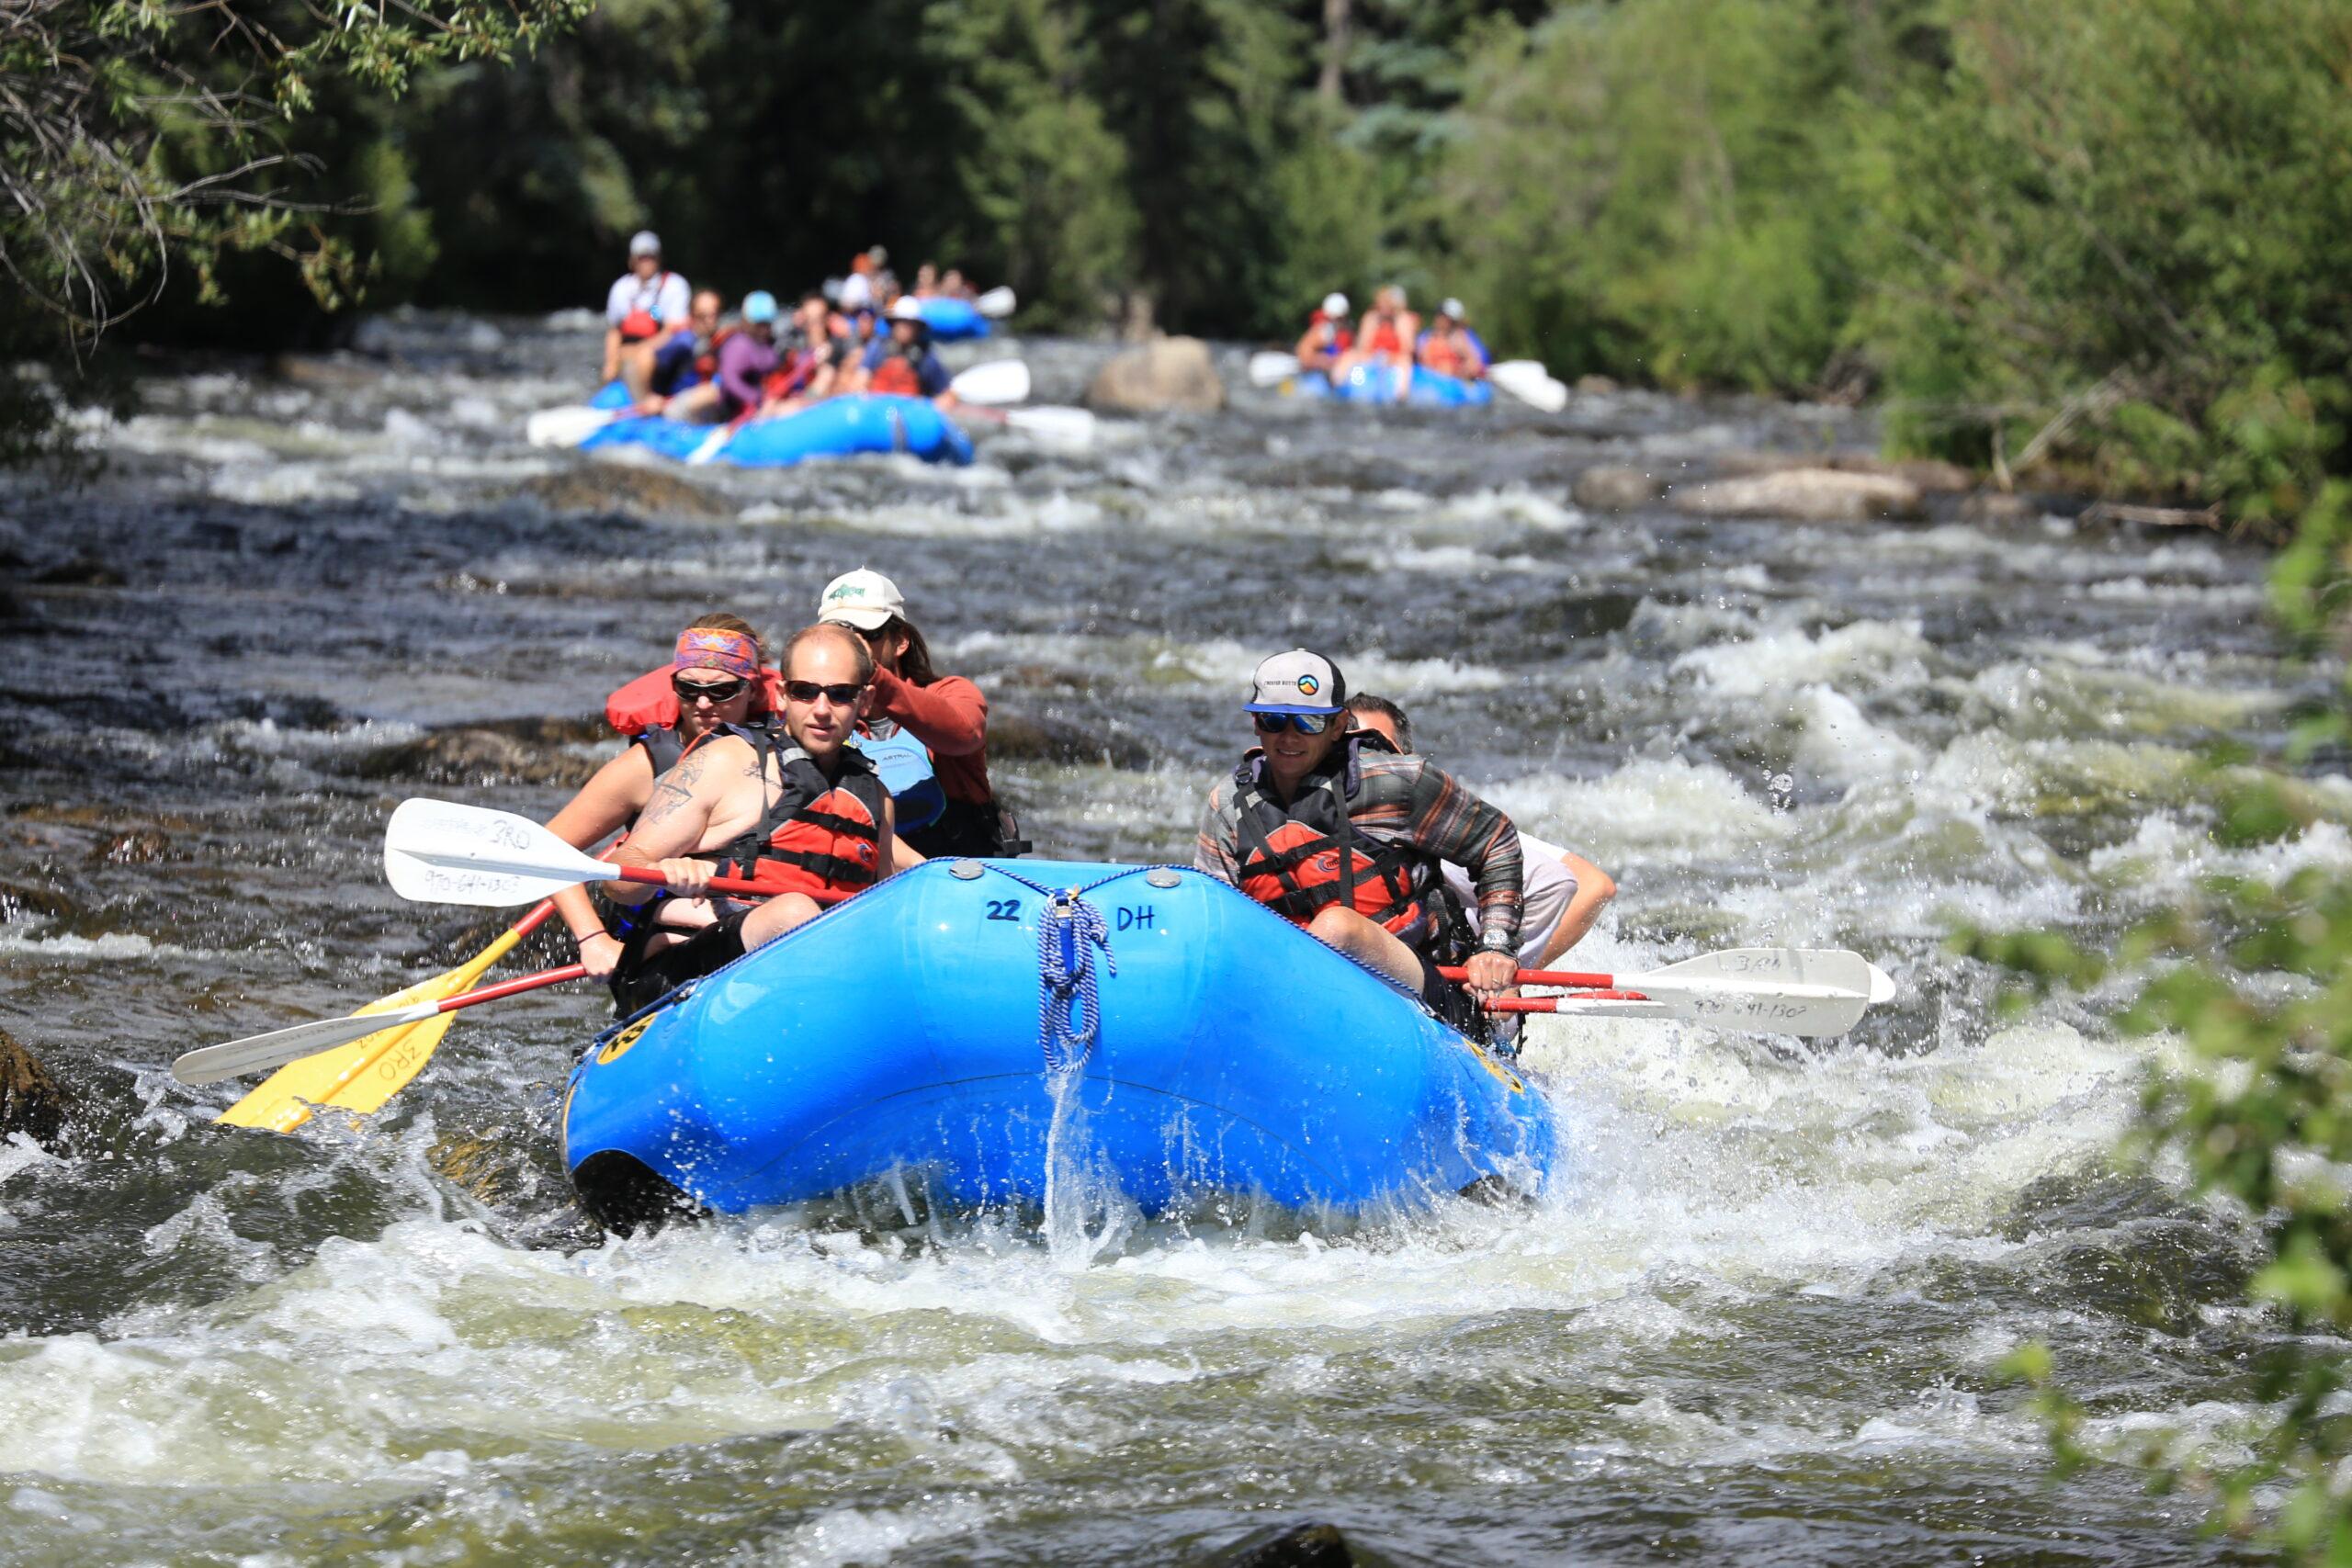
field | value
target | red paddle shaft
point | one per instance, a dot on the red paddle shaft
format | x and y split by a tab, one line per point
1552	1004
1569	977
737	885
513	987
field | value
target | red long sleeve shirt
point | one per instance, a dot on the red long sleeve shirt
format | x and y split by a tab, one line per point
949	716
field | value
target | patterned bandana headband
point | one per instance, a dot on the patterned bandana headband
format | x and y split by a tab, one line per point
706	648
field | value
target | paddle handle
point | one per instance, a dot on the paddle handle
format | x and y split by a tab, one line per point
1567	977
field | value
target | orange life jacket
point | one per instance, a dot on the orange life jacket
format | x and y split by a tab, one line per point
1384	338
1441	353
896	376
1301	859
819	835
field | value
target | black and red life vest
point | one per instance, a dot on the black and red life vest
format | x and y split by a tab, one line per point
818	835
1301	859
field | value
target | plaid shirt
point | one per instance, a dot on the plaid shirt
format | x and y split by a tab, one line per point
1398	800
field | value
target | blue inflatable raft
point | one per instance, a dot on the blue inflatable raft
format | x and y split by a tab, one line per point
950	320
907	1030
838	427
1377	384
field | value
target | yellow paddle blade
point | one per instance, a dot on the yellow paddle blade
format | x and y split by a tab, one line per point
363	1075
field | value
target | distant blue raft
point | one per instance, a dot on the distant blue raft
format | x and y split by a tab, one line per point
901	1032
950	318
838	427
1377	384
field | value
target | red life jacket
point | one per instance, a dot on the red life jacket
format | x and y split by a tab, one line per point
1440	353
649	701
819	835
895	377
707	361
1299	860
1383	339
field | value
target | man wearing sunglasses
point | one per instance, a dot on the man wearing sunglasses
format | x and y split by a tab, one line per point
1349	841
802	814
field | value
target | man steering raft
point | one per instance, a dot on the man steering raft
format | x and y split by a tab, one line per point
1349	841
804	816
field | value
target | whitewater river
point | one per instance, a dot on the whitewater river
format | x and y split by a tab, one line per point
1759	1318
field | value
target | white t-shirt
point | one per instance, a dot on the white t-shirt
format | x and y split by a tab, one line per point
1546	888
664	297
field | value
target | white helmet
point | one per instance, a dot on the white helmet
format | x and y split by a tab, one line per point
1451	308
906	308
1335	304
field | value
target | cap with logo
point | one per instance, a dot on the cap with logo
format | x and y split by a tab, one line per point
1297	682
864	599
644	243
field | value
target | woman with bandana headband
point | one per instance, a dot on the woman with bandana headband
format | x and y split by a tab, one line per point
720	677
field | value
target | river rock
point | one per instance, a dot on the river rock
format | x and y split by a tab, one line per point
1596	387
472	756
1016	737
623	486
1299	1546
1802	495
31	1101
1171	375
1616	490
1928	473
1996	506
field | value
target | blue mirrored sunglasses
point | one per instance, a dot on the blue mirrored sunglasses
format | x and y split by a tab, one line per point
1306	723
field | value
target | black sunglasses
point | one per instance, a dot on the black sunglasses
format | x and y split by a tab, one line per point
809	691
716	691
1306	723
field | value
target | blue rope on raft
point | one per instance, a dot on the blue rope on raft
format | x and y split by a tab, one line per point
1069	930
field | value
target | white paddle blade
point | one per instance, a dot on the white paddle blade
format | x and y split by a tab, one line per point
1530	383
266	1053
437	852
997	382
712	445
1270	369
1062	427
565	428
1763	968
997	303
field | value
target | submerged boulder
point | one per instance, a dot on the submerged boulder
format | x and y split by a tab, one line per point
1606	489
623	486
1802	495
1299	1546
1171	375
31	1101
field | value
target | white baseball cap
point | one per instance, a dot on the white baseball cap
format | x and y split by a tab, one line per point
1297	682
865	598
644	243
1335	304
1451	308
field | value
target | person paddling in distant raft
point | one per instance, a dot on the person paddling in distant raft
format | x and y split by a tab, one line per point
716	682
745	360
1349	840
644	307
1385	336
1450	348
802	814
945	713
902	365
1327	339
1565	892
